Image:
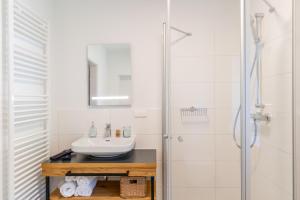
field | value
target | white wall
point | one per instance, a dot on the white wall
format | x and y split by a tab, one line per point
78	23
272	175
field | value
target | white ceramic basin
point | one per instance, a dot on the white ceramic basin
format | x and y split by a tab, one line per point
103	147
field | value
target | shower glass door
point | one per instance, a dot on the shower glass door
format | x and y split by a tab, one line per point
269	106
204	97
229	112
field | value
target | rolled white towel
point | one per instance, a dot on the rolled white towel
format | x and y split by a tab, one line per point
70	178
86	190
85	180
68	189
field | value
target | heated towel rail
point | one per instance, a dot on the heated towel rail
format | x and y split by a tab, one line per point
28	101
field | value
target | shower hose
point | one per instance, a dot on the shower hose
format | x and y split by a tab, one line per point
258	47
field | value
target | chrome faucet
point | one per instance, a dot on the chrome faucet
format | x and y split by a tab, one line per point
107	132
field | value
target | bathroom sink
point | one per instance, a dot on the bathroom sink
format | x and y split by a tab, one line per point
103	147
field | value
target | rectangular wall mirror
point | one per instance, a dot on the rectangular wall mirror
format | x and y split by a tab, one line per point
109	68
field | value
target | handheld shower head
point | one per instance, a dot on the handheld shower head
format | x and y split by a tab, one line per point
256	26
253	29
259	16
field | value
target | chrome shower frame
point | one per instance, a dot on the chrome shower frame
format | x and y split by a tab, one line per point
245	104
296	100
166	109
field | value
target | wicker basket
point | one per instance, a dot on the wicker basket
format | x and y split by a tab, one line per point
133	187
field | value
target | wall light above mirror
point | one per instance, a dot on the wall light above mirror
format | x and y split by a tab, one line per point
109	69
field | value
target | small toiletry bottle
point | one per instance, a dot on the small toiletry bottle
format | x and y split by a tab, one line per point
127	132
93	131
118	133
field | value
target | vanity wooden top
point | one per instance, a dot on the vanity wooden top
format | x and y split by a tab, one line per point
139	162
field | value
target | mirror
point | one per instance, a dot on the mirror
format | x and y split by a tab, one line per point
109	68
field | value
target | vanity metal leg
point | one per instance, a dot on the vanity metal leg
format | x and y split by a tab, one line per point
152	187
47	188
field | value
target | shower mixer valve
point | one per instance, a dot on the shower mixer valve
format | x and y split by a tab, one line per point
259	114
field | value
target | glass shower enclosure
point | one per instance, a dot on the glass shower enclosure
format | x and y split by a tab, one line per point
228	100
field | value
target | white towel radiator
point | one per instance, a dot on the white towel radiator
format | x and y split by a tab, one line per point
28	110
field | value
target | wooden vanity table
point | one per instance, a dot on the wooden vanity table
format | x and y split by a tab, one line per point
136	163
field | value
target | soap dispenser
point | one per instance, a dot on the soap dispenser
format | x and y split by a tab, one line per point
93	131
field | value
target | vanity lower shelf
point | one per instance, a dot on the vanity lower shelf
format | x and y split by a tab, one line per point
139	162
104	191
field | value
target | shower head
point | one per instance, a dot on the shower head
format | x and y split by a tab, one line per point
256	26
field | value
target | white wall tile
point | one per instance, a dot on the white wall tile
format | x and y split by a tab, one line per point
274	165
151	124
79	121
148	141
193	69
278	56
120	118
227	69
227	33
228	174
224	120
193	94
228	194
180	193
72	122
278	132
277	92
263	189
226	150
227	95
193	174
193	147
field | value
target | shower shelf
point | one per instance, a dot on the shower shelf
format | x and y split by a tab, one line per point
104	191
194	114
